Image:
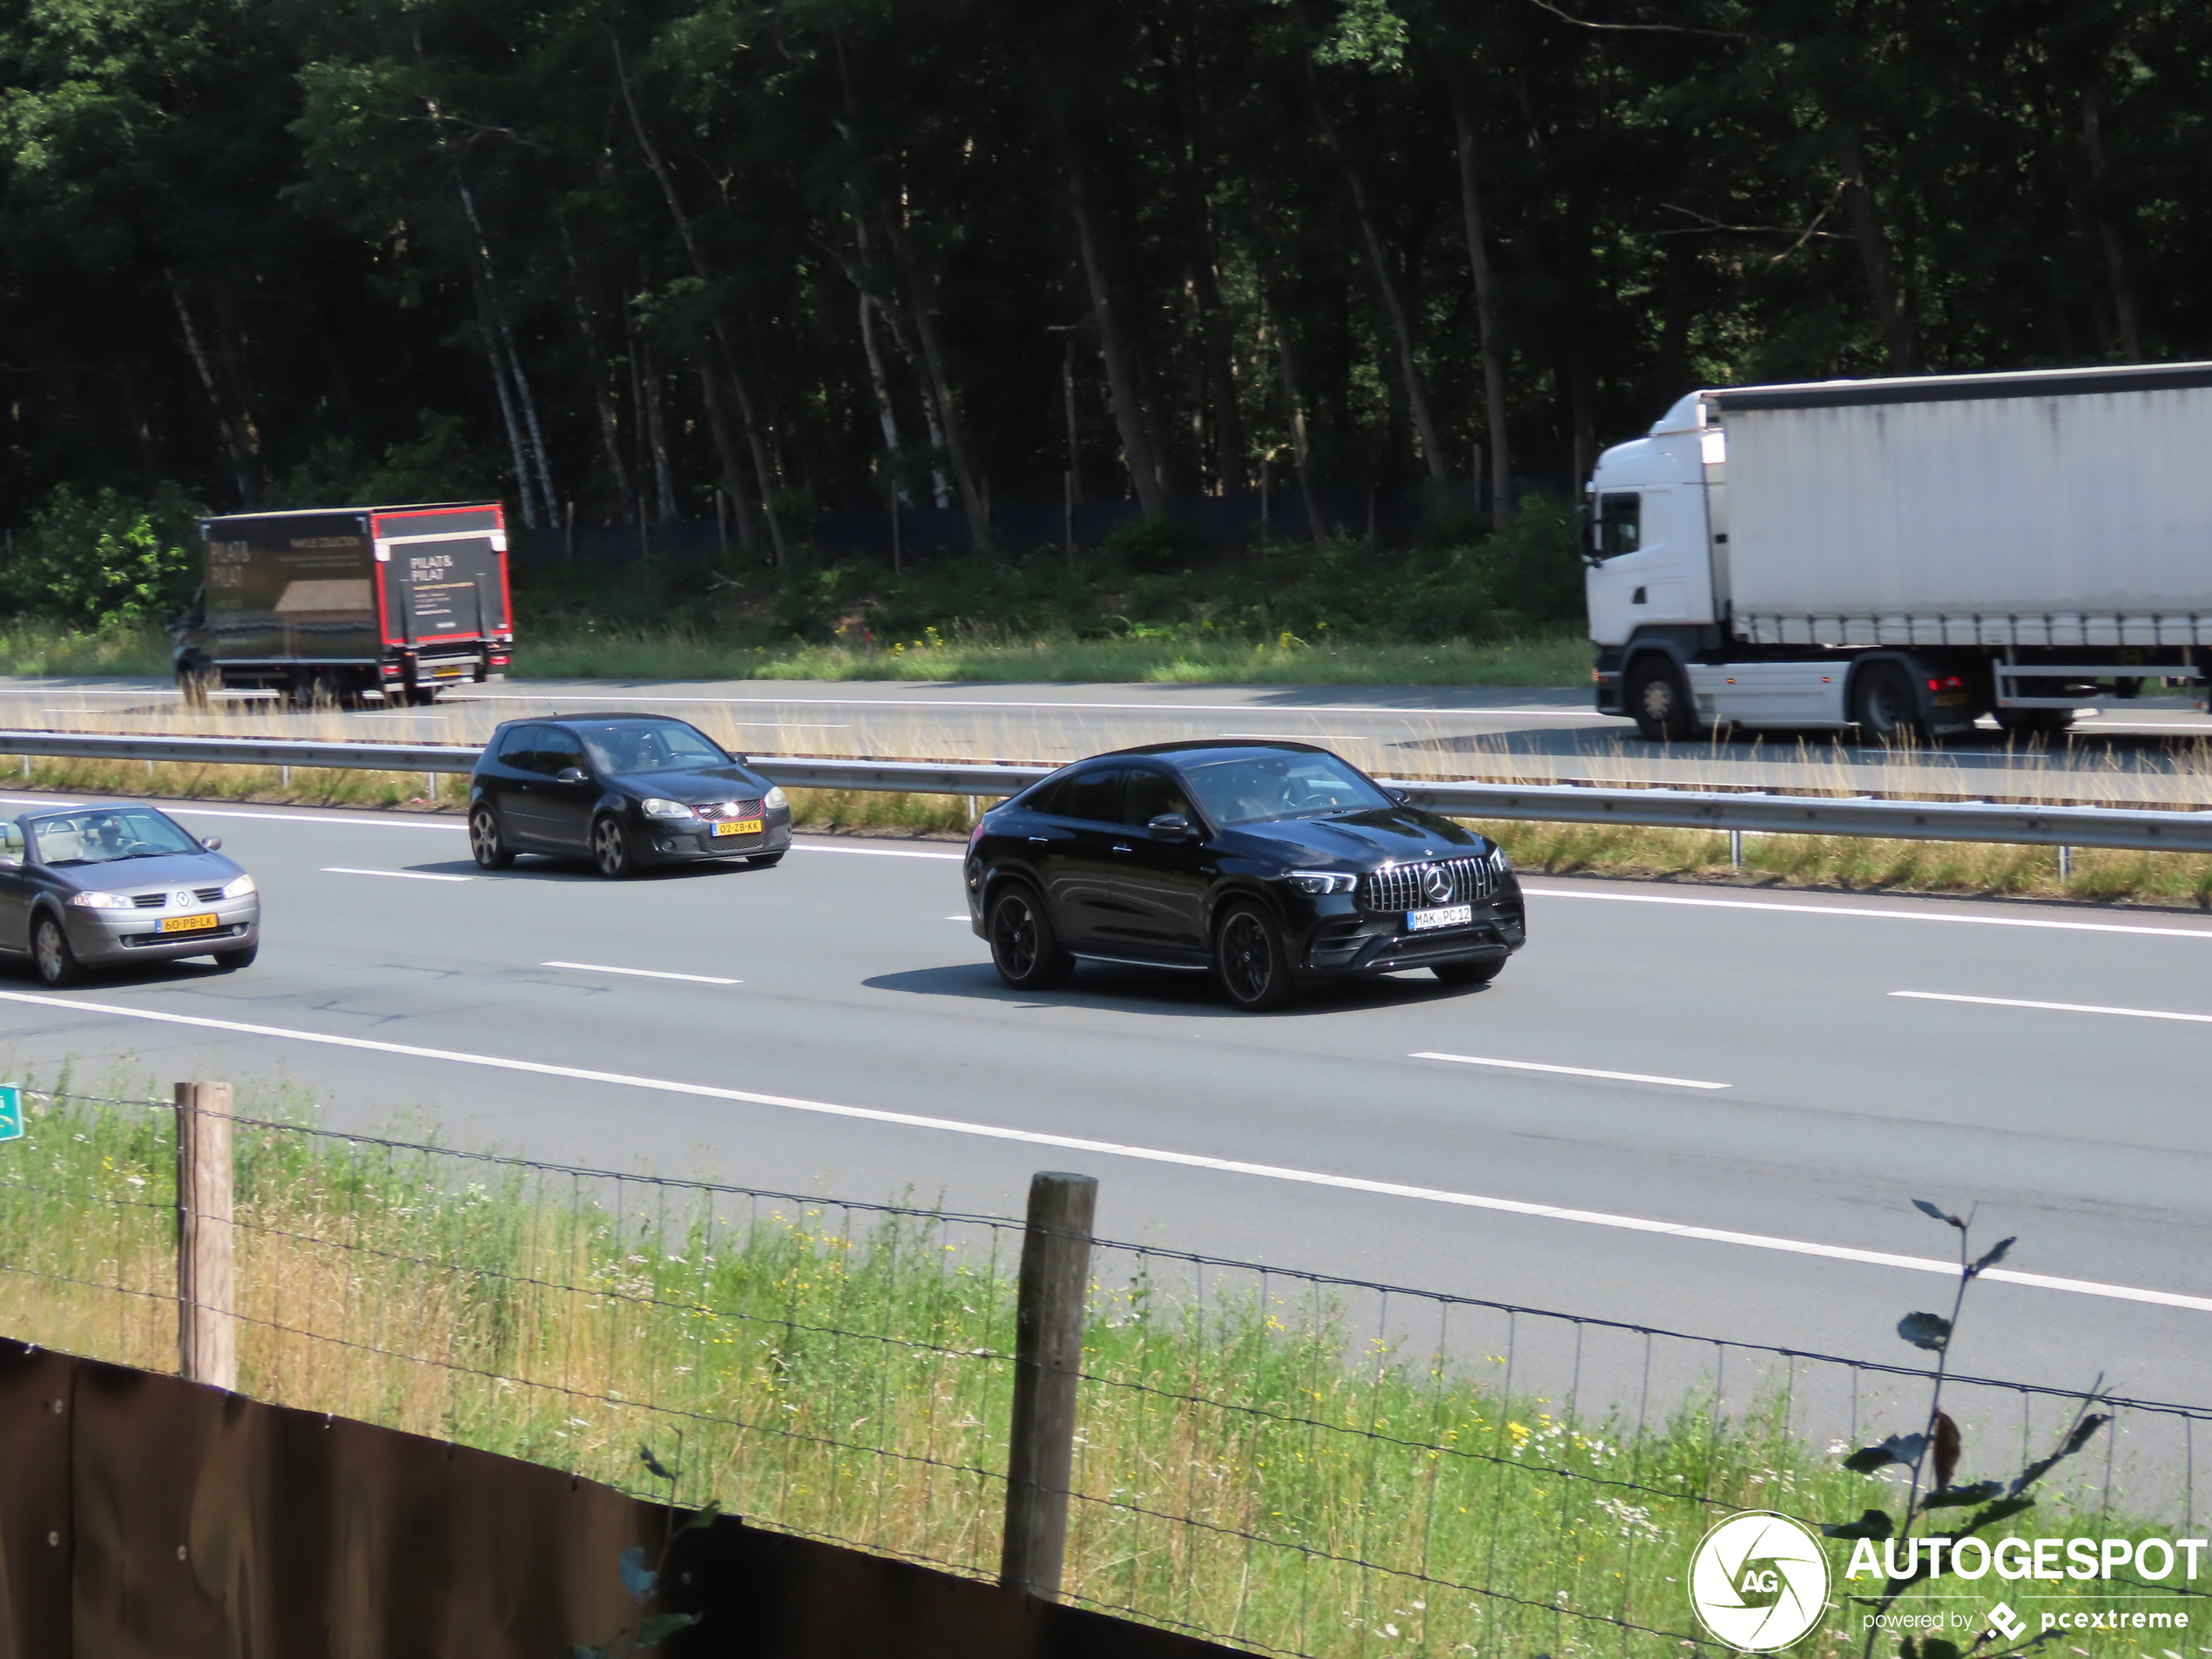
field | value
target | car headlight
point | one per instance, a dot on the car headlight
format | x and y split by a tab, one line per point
1500	863
239	888
654	806
1322	880
100	900
775	800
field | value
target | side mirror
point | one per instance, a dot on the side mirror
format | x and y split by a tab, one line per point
1171	827
213	843
570	775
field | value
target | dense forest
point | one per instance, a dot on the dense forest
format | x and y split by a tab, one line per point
674	259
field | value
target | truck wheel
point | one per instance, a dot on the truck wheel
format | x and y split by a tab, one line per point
195	678
1659	701
1886	709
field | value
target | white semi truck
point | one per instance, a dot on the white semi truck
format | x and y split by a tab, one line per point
1908	554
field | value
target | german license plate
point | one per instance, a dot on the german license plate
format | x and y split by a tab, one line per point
738	826
186	924
1452	915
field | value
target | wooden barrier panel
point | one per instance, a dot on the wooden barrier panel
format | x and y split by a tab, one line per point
144	1516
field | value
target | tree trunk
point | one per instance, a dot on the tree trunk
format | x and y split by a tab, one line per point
1486	312
503	340
233	445
762	471
663	485
2123	289
1393	303
1300	445
609	422
1121	377
940	486
725	447
933	357
1874	259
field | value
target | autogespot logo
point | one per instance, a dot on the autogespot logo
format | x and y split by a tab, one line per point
1759	1582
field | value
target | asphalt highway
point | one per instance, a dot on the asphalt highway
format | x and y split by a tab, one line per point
2153	754
1699	1109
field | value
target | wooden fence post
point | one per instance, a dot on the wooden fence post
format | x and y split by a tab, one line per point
1047	1361
207	1278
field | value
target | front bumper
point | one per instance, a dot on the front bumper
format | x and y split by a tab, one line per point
1379	942
683	840
136	936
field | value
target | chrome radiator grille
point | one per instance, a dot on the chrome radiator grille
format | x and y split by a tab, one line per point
1405	886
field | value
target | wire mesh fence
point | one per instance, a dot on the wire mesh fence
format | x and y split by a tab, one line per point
1284	1461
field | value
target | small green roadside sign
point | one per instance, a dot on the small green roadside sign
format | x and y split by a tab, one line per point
10	1112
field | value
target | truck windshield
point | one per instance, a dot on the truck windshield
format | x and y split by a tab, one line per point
649	746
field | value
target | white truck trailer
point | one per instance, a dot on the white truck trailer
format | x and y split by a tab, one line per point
1907	555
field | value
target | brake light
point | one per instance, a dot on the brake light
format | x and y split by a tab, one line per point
1945	683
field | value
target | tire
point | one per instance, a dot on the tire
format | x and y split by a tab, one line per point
610	854
1475	973
1248	962
1659	702
486	843
231	960
1024	948
765	860
195	680
50	953
1885	706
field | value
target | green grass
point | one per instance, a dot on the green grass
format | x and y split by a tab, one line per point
28	645
668	654
1248	1466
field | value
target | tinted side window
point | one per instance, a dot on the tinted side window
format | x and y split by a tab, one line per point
517	749
1094	795
1046	799
1154	794
1620	523
557	750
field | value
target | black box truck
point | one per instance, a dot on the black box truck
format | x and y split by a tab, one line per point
326	604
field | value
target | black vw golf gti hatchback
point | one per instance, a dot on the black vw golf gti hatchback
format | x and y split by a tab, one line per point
622	790
1266	863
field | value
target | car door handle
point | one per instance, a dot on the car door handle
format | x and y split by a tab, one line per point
1040	840
1118	847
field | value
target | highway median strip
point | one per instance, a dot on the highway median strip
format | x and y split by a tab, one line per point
1111	1148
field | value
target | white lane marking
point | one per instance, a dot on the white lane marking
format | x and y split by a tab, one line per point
401	820
1152	1154
960	919
873	851
1571	1071
404	875
1882	915
642	973
2054	1008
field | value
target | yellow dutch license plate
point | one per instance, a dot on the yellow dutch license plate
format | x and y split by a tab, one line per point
186	924
738	826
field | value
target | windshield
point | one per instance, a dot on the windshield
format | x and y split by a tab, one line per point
106	834
649	746
1253	788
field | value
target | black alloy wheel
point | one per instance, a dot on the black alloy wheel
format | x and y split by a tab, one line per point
610	848
1659	702
486	844
1023	946
51	952
1479	972
1887	711
233	960
1248	961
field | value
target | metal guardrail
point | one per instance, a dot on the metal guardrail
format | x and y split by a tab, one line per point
2134	829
